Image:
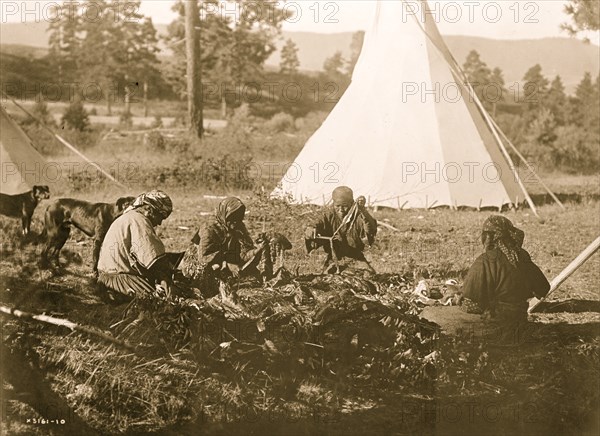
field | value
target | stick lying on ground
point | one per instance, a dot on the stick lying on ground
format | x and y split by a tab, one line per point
387	226
566	273
65	323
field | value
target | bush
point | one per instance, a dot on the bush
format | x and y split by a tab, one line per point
126	119
82	139
311	122
238	135
178	145
576	149
242	117
513	126
280	122
568	148
155	141
157	123
43	140
41	112
179	120
76	117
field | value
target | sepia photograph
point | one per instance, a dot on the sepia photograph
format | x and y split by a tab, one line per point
300	217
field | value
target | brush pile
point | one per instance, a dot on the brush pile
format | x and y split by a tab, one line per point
305	346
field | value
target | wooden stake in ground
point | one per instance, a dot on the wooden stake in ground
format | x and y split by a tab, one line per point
59	322
194	83
564	275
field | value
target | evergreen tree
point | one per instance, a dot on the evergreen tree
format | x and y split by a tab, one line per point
41	112
480	76
232	52
585	15
64	41
334	66
557	102
115	47
585	110
535	90
76	117
289	58
497	79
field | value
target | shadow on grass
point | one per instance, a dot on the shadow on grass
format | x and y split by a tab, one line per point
570	306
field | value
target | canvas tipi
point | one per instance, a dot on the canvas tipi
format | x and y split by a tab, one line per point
21	166
407	132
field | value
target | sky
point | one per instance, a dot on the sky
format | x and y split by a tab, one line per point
499	19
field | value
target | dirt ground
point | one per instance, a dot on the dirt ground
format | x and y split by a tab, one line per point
436	245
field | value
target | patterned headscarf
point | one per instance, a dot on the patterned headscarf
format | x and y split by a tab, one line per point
505	236
228	207
157	200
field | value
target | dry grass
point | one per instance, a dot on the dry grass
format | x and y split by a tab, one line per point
321	383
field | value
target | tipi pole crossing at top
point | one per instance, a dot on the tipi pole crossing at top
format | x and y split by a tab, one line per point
409	137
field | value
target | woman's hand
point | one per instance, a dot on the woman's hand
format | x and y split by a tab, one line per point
165	286
233	269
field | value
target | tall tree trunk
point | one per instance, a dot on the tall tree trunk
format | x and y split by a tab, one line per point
127	101
145	98
194	84
109	96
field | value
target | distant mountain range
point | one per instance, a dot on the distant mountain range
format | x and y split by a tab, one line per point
569	58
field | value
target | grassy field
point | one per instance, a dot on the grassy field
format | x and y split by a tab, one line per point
545	385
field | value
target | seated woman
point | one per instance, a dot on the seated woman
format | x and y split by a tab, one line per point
222	248
132	257
503	278
348	223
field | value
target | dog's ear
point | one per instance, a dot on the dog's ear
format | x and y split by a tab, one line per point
41	191
124	202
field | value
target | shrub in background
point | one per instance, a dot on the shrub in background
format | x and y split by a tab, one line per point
42	113
155	141
157	123
126	120
280	122
178	145
577	150
43	140
82	139
311	122
76	117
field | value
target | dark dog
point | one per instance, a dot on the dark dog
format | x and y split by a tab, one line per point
23	205
93	219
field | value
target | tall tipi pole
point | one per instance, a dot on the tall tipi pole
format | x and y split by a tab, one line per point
194	83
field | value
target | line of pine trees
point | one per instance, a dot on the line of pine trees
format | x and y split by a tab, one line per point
553	129
119	54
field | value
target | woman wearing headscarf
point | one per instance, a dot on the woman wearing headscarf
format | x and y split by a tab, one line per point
222	247
132	257
348	223
504	277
